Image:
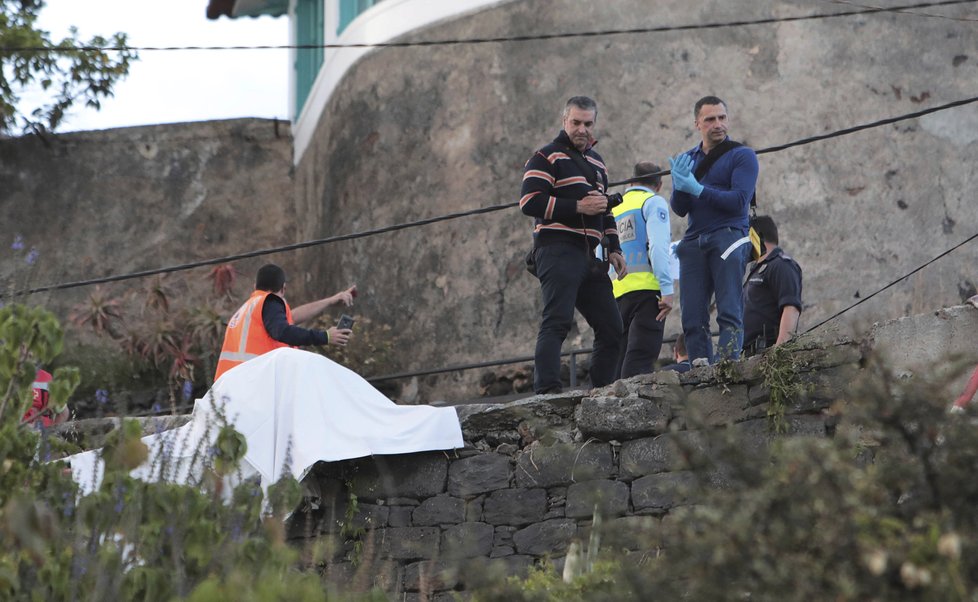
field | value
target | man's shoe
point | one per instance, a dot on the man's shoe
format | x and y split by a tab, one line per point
700	362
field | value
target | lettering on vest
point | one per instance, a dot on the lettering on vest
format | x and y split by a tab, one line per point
626	228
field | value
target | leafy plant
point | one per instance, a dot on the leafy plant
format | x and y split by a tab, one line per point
780	371
369	351
223	277
100	311
130	539
812	518
724	371
66	74
157	296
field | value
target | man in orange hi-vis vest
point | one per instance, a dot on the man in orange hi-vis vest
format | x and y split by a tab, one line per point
266	322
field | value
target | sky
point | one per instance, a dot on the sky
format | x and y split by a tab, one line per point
178	86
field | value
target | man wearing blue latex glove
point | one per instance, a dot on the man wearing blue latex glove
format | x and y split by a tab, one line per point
712	186
682	179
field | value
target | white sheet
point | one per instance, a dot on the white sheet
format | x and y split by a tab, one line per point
325	411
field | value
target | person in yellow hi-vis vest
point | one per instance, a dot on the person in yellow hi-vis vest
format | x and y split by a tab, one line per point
266	322
644	295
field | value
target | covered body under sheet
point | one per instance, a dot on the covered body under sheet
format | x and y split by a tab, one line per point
294	408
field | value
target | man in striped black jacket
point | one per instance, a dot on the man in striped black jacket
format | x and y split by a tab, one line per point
564	186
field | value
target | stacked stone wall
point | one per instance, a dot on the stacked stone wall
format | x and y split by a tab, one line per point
431	526
535	472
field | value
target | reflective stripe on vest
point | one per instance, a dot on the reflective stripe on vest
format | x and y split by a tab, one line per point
246	337
634	238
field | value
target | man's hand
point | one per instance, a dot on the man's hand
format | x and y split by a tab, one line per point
618	261
594	203
665	306
344	297
339	337
682	178
681	165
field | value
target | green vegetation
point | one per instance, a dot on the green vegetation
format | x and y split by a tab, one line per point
780	372
66	76
883	510
817	519
129	540
370	350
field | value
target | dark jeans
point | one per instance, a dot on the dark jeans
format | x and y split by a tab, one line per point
568	280
642	338
711	264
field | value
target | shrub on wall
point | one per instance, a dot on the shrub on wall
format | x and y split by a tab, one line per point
884	510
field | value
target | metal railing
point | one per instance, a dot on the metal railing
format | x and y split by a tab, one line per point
502	362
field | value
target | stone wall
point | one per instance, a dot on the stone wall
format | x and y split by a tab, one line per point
418	132
426	526
413	133
103	203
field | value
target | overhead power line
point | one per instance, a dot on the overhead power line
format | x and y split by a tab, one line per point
835	134
502	39
912	13
441	218
894	283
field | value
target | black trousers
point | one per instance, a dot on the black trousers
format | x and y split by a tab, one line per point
568	280
642	339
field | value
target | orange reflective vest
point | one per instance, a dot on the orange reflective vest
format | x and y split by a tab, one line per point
246	337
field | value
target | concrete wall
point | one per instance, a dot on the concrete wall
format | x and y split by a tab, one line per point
417	132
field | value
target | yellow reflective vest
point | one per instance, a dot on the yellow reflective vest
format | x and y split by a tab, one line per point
635	244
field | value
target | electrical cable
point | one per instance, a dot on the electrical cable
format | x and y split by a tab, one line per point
450	216
258	253
894	283
906	12
835	134
498	39
519	359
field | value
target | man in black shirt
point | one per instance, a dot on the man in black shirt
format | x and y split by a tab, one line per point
266	322
277	325
565	190
772	293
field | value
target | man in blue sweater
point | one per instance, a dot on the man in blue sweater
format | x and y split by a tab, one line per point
714	251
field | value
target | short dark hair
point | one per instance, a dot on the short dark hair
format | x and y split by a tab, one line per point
646	167
585	103
680	344
766	227
270	278
706	100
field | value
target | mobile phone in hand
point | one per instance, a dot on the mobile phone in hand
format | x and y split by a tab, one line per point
346	322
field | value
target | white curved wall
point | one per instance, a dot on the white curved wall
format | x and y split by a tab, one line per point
380	23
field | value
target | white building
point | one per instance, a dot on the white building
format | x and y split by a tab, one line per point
322	24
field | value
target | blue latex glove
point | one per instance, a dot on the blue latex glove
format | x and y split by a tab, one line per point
682	179
681	164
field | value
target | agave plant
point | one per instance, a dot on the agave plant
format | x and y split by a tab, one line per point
206	327
101	311
157	296
156	344
182	359
223	277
